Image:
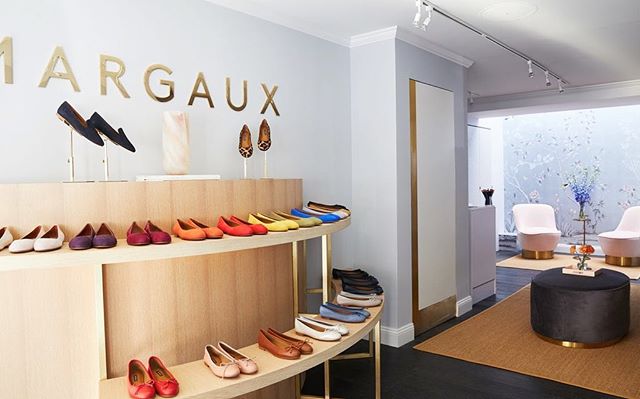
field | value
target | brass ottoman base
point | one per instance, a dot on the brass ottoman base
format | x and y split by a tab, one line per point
578	345
624	261
537	255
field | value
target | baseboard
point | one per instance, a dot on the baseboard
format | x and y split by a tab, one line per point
397	337
464	305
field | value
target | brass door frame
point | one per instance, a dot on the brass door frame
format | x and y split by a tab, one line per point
444	310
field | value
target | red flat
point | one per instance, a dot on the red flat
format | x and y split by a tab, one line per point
164	382
139	384
234	229
258	229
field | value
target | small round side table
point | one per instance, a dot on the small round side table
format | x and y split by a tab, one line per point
578	311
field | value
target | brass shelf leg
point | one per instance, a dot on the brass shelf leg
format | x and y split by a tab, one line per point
296	282
327	266
378	366
100	323
327	380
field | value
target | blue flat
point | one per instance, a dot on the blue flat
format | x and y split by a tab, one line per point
341	315
361	311
328	218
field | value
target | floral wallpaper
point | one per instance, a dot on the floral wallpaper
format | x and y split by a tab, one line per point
544	152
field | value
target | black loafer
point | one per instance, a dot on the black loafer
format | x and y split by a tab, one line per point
72	118
118	138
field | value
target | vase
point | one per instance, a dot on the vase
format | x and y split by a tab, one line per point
488	201
581	215
175	143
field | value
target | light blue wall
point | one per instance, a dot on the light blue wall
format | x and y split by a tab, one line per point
541	150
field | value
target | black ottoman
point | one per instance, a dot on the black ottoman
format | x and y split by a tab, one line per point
580	312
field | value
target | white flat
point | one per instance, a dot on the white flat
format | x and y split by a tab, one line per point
363	303
49	241
341	328
314	331
25	244
359	296
5	238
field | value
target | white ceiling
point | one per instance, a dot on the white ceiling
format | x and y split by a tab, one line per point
584	41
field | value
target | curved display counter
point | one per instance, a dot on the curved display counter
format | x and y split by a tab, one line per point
197	381
89	312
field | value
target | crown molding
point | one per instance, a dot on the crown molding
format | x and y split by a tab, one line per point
374	36
394	32
429	46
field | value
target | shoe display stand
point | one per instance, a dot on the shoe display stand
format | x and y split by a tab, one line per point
84	314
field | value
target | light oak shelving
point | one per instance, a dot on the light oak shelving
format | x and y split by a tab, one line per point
197	381
124	253
84	304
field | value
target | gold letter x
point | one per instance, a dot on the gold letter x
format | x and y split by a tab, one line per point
269	101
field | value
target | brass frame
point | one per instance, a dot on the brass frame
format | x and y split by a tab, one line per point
446	309
537	255
578	345
623	261
374	335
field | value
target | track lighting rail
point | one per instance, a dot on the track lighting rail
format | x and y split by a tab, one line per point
530	61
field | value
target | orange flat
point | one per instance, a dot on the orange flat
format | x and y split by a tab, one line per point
210	231
188	232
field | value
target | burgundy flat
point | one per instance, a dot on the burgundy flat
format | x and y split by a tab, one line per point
156	234
137	236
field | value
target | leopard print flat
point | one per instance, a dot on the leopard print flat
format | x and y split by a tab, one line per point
264	137
245	147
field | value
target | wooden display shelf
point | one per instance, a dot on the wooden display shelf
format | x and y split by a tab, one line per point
197	381
124	253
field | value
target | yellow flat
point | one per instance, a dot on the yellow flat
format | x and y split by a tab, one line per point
291	224
270	224
302	222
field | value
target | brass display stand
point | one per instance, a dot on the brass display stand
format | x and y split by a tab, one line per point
71	160
326	291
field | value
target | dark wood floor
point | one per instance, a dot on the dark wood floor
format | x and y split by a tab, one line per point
410	374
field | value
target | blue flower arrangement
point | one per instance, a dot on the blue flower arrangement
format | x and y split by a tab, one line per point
582	184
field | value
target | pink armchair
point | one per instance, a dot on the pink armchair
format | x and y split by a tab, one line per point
537	232
622	246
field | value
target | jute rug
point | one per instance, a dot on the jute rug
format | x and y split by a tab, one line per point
502	337
518	262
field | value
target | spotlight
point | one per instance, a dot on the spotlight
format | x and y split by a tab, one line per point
560	88
546	78
418	17
427	20
530	64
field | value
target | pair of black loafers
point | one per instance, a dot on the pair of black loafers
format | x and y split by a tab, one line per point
93	128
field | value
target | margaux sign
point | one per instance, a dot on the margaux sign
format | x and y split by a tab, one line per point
113	68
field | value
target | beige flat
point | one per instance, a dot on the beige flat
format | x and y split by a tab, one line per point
247	365
6	238
50	241
25	244
220	364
